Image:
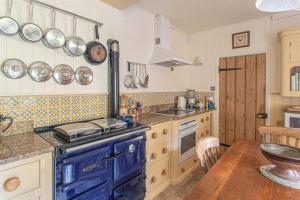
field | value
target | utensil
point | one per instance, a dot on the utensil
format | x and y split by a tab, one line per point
63	74
137	78
40	71
53	37
29	31
14	68
141	72
95	52
84	75
8	25
134	81
146	80
128	79
74	46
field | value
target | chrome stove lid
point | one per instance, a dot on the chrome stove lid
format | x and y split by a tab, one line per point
83	130
109	124
78	129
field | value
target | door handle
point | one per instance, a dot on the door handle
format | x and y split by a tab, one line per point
262	115
113	156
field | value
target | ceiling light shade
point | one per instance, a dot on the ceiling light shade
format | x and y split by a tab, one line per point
277	5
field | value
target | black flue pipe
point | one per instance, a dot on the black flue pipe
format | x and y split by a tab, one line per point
114	89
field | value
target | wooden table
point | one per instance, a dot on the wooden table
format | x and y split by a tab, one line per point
236	176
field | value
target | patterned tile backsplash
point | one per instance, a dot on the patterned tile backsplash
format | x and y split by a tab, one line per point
37	111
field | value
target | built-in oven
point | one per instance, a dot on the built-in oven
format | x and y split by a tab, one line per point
187	139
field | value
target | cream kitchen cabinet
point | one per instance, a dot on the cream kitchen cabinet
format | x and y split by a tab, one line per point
290	62
182	169
204	122
163	155
158	159
28	179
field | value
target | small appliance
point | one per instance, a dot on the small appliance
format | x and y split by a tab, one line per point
181	102
190	95
292	117
191	103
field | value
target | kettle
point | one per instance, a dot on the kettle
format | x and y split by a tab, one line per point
181	103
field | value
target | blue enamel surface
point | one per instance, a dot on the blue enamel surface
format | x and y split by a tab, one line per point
133	189
101	171
131	158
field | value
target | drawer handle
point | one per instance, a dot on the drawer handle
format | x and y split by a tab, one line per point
202	120
164	150
195	160
154	135
153	156
165	131
207	118
164	172
182	170
153	180
12	184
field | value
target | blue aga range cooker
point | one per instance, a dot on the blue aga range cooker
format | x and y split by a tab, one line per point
107	164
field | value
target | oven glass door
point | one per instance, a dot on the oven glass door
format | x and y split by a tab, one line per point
187	144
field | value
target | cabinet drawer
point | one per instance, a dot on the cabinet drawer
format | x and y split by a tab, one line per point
188	164
207	131
157	175
19	180
204	132
157	152
204	120
159	134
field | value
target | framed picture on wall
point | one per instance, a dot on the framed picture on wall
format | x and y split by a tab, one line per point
241	39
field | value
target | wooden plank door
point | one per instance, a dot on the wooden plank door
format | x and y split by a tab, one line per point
242	81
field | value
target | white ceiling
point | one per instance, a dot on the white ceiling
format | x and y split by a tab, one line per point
196	15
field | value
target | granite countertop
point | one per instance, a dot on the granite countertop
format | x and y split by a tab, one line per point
152	119
21	146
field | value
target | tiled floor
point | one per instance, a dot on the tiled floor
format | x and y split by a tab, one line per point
179	191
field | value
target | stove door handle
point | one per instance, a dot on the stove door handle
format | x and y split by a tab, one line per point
109	158
119	154
113	156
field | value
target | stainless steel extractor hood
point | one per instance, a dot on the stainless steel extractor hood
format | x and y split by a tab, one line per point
162	54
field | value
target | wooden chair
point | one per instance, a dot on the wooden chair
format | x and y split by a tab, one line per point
208	151
280	135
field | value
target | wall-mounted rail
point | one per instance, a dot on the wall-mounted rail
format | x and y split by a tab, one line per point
42	4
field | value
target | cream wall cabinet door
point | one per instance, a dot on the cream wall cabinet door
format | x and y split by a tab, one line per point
294	49
290	60
28	179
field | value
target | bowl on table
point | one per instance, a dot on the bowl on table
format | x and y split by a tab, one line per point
286	164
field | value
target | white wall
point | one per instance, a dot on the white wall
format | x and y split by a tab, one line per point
133	28
212	44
